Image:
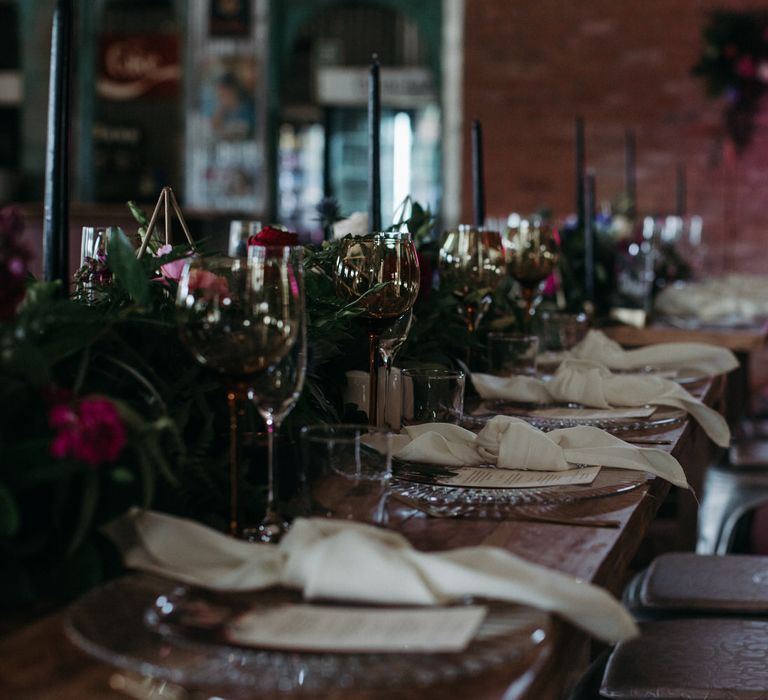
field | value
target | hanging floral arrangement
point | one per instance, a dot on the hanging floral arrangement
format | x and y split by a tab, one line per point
734	65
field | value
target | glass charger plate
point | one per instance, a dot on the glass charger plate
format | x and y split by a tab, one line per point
160	629
663	418
417	482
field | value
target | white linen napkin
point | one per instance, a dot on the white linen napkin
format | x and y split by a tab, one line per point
340	560
733	299
592	384
511	443
698	357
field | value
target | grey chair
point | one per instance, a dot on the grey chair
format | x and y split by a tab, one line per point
729	493
691	659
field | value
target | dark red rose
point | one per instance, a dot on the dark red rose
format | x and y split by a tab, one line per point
270	236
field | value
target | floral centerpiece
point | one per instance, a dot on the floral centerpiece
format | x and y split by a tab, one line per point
734	65
103	408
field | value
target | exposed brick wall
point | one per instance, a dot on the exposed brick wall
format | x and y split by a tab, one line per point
532	65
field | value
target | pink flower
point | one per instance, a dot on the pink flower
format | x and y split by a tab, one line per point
90	431
211	284
171	270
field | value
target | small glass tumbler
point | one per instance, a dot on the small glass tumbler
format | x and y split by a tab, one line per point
571	328
239	233
512	353
432	396
93	243
347	471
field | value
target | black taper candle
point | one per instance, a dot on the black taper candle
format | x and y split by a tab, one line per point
589	238
374	148
56	214
580	161
478	179
630	175
681	191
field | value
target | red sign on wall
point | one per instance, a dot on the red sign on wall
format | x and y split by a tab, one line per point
138	65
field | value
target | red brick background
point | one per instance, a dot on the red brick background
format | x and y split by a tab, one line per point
531	67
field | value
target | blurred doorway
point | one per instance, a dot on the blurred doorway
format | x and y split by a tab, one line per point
322	144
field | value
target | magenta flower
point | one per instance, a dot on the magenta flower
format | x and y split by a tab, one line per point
89	431
550	286
745	67
14	257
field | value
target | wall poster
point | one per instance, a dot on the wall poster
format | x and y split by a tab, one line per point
226	106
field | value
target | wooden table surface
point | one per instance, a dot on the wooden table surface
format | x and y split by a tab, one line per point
739	340
38	662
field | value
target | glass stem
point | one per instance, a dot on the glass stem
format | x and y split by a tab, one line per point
373	379
234	527
273	427
385	406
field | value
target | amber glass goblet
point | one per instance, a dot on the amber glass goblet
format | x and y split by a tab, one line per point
472	264
532	252
239	317
379	273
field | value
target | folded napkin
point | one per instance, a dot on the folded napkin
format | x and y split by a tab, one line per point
511	443
354	562
731	299
592	384
697	357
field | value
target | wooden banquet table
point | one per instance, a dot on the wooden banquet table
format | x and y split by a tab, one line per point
39	662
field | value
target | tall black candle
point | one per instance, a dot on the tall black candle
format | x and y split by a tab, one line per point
580	160
681	191
478	179
374	149
56	214
630	176
589	238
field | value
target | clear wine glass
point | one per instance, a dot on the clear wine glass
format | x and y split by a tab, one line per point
532	253
275	393
472	263
390	341
239	317
381	273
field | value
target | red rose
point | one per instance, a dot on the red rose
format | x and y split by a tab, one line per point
270	236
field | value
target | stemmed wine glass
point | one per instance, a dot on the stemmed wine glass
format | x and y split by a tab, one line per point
239	317
274	394
532	252
472	263
381	273
390	341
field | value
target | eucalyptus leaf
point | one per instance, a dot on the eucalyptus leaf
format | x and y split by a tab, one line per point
10	517
128	271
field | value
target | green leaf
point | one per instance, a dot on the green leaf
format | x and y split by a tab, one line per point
147	476
138	213
10	518
129	272
122	475
87	510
